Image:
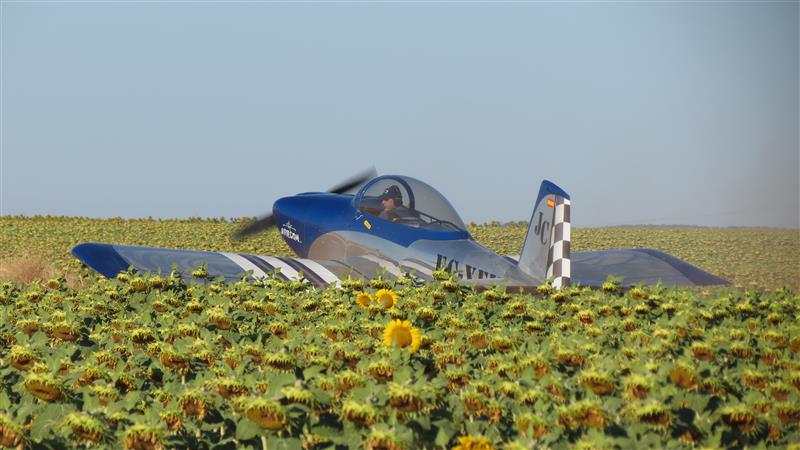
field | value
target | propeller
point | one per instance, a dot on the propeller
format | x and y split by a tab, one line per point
268	220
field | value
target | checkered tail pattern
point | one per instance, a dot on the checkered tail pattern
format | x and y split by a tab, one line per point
558	262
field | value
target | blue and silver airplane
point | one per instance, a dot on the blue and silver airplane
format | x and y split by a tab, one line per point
394	226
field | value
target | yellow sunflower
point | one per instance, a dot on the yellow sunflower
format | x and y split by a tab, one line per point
386	297
363	299
402	334
473	443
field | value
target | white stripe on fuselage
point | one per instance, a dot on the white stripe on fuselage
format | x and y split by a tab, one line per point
245	265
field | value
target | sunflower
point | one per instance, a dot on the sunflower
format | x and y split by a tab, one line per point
386	297
145	437
359	413
654	415
403	334
363	299
473	443
10	432
266	413
44	387
86	428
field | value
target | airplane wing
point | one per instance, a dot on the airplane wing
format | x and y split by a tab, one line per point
639	265
111	259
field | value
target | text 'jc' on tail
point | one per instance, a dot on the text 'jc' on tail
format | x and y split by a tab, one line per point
546	250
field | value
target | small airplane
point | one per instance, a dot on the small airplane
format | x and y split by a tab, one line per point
396	226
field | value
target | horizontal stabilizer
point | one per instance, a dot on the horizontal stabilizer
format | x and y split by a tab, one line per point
635	266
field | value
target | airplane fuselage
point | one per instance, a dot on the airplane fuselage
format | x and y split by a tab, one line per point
324	226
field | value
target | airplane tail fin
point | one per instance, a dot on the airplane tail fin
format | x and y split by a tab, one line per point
546	250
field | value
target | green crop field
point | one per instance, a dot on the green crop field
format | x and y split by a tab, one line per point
148	361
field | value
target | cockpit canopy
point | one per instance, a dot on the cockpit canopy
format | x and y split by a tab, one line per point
418	205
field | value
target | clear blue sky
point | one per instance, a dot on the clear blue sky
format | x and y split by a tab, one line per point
657	113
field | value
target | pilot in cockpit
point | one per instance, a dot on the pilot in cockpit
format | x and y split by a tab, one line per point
392	201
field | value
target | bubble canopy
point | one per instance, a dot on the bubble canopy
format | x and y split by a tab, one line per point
419	205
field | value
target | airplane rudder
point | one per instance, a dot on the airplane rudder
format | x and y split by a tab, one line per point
558	264
545	251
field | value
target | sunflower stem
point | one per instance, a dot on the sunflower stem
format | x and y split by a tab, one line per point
263	442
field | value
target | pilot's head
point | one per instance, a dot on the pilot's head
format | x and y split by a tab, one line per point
391	196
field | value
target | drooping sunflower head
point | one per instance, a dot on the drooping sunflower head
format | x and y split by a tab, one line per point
353	284
381	370
599	382
298	394
740	416
193	404
44	386
380	283
406	399
402	334
105	394
10	432
282	362
427	314
637	386
386	297
684	376
347	379
470	442
529	424
787	413
84	427
266	413
22	357
383	440
173	419
653	414
363	299
589	414
231	387
478	340
359	413
145	437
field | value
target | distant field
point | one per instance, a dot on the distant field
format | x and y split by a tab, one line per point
748	257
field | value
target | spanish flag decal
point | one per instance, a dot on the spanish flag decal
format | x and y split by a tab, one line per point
551	203
367	224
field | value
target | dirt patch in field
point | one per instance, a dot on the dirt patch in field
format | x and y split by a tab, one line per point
27	269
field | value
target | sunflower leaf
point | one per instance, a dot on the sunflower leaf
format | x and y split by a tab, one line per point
446	429
246	429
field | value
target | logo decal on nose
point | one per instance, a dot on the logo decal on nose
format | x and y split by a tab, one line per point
289	232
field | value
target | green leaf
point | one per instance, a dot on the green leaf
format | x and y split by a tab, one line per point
326	432
446	431
424	421
46	421
5	402
284	443
280	380
402	374
246	429
131	399
311	372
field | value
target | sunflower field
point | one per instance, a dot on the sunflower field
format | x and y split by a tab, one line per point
150	361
